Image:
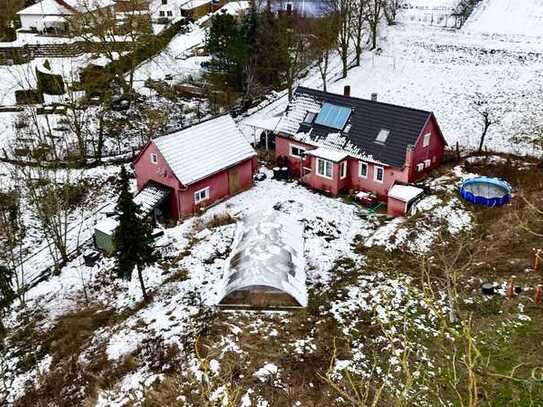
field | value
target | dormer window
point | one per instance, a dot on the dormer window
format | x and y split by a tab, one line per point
382	136
309	117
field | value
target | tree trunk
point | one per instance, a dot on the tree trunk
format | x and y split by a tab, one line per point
142	284
100	143
374	35
483	136
344	60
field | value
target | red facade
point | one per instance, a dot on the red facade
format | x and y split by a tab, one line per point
183	199
426	155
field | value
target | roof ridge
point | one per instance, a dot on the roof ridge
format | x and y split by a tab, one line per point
180	129
365	100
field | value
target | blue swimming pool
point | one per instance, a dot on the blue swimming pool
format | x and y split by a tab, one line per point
486	191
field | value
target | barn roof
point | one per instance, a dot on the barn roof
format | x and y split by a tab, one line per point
399	126
204	149
268	251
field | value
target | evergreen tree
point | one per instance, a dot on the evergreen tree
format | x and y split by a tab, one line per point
229	45
7	294
133	237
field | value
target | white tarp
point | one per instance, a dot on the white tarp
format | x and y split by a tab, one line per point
268	251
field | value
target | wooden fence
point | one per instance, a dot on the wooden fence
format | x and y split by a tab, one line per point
26	53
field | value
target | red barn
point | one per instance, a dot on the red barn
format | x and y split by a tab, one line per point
199	165
336	143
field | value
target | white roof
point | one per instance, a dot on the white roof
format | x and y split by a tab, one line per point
270	124
192	4
404	193
268	251
149	197
234	7
46	7
328	154
204	149
53	7
107	226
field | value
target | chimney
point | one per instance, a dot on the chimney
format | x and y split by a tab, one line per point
374	97
347	90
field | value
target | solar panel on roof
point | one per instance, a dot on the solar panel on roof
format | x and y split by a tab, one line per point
333	116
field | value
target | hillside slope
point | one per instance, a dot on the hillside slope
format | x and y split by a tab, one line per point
507	17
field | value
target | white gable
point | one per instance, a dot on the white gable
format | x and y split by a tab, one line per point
46	7
55	8
204	149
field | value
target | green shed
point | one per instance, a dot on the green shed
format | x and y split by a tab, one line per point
103	235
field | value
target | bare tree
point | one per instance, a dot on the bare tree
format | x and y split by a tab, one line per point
109	34
343	11
391	10
323	43
294	48
53	194
358	27
12	233
489	113
375	11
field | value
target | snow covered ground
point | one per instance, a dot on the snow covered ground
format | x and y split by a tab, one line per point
331	226
175	60
442	70
507	18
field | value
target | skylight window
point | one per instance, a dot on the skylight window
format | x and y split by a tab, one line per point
333	116
382	136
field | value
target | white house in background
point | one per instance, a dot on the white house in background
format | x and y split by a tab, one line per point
51	14
169	10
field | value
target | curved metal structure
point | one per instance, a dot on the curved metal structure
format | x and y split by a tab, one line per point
266	266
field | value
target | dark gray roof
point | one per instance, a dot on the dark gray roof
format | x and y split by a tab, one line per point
367	120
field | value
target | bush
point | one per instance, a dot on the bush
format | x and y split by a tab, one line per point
49	83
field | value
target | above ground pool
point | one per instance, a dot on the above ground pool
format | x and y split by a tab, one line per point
486	191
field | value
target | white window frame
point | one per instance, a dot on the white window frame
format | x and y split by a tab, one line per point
375	172
308	114
169	13
343	170
362	164
426	139
198	199
153	158
161	13
302	149
325	164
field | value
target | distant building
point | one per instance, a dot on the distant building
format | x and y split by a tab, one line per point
201	165
337	142
305	8
195	9
53	14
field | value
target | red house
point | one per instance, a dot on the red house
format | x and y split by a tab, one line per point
337	143
199	165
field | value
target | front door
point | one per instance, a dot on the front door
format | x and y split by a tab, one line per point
233	180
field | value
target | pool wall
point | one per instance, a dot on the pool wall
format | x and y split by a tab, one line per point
487	201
